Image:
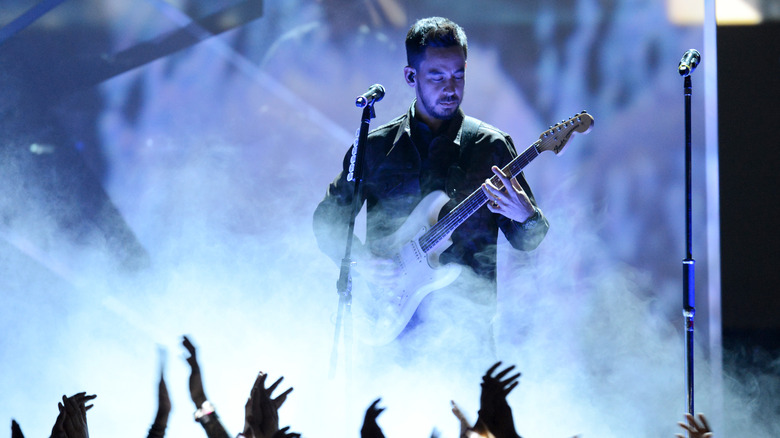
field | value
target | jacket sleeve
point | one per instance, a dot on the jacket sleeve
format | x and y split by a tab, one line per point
524	236
527	235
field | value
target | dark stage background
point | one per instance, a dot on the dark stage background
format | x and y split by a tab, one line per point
160	162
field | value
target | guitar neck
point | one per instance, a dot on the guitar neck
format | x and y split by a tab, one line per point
473	202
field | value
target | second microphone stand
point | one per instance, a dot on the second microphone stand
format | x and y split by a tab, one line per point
688	63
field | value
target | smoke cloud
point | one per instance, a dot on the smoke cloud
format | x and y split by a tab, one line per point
214	166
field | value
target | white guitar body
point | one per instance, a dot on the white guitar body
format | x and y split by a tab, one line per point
381	314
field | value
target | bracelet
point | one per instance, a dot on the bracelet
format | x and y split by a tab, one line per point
203	414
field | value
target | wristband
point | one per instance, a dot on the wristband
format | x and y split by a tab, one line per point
203	414
532	220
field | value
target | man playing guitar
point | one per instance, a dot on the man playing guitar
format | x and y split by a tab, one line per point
434	149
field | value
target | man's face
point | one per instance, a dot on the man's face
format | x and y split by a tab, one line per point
439	82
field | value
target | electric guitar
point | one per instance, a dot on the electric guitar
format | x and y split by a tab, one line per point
382	314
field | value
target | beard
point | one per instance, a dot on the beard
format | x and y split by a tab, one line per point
444	114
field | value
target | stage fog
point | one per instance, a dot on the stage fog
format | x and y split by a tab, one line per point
174	196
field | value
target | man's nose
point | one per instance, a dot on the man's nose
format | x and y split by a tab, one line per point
450	85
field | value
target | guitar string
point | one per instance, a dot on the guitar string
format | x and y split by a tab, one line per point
477	199
473	202
468	206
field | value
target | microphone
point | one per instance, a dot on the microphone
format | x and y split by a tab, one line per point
689	62
374	94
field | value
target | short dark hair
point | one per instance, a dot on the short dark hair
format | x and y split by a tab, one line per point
433	32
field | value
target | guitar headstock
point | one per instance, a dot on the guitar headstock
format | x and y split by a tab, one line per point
555	138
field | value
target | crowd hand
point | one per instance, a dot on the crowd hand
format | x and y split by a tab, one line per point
513	202
163	405
696	427
494	411
283	433
16	431
72	419
466	429
196	382
370	427
262	411
163	399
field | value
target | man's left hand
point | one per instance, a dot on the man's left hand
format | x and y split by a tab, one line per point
508	198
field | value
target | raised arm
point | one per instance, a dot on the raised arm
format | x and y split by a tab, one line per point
163	410
72	419
494	411
16	431
262	411
370	427
205	413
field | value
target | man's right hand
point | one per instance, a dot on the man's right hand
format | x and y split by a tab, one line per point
380	272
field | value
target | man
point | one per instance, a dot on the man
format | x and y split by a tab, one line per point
434	146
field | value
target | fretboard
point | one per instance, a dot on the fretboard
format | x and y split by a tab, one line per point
473	202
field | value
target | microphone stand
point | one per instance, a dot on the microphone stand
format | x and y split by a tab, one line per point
689	289
344	284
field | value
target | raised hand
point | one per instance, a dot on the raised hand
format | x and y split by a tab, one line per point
282	433
196	381
58	430
16	431
163	401
205	415
494	411
262	411
72	419
163	410
370	427
466	429
75	417
696	427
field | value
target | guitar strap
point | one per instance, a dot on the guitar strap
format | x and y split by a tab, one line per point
456	176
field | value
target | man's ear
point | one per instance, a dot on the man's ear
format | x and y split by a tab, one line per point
410	75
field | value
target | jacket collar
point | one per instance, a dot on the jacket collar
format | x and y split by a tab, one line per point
454	130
